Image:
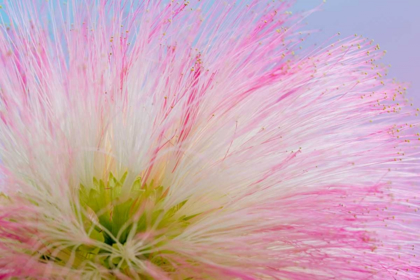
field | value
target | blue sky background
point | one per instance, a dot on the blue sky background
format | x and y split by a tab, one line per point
393	24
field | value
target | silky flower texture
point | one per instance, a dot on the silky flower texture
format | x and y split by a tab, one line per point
166	140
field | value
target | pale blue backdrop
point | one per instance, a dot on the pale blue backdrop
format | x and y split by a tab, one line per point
393	24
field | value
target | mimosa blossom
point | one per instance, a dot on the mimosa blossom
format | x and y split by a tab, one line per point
196	140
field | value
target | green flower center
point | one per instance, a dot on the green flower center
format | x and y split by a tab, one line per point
113	217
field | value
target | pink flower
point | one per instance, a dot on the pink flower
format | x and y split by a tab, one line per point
167	140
